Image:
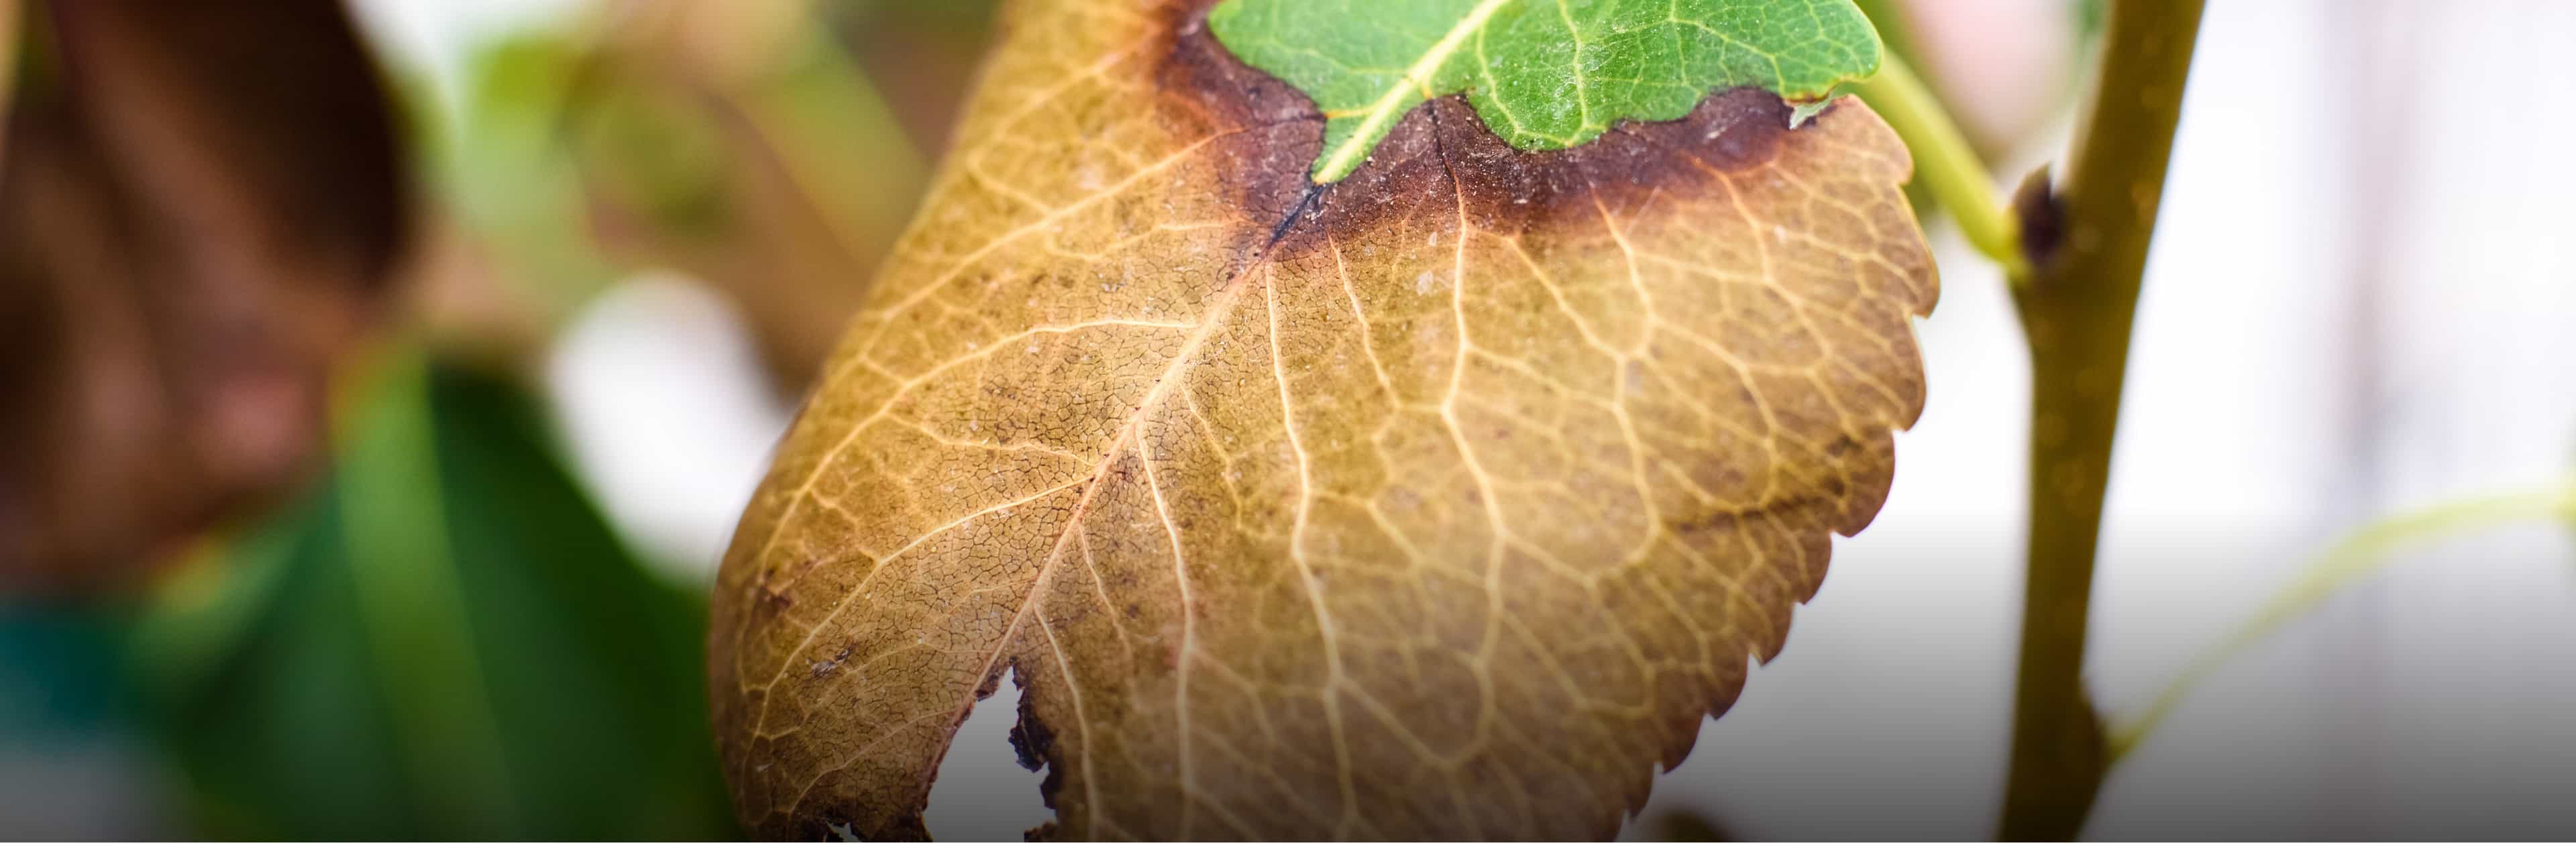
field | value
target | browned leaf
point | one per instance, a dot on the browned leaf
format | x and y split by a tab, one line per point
1443	501
200	206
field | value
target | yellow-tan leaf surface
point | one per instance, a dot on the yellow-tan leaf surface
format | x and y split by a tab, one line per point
1443	501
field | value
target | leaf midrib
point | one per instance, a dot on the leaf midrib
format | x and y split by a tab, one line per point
1342	159
1228	298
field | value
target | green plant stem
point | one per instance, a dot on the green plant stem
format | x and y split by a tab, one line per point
2076	312
2364	552
1948	165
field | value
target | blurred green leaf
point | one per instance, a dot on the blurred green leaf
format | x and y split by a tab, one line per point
507	176
648	149
444	641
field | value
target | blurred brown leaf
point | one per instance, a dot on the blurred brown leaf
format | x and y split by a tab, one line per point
199	209
922	54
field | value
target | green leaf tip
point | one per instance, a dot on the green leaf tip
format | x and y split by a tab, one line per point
1543	74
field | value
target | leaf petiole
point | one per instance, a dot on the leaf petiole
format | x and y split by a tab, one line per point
1946	163
2364	552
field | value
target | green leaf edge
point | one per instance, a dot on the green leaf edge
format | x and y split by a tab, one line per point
1332	165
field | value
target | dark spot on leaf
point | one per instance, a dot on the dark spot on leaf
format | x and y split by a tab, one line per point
1439	154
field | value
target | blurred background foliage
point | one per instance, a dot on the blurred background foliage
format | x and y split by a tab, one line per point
442	639
430	629
431	618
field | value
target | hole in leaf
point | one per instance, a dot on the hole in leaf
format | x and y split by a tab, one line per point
983	792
